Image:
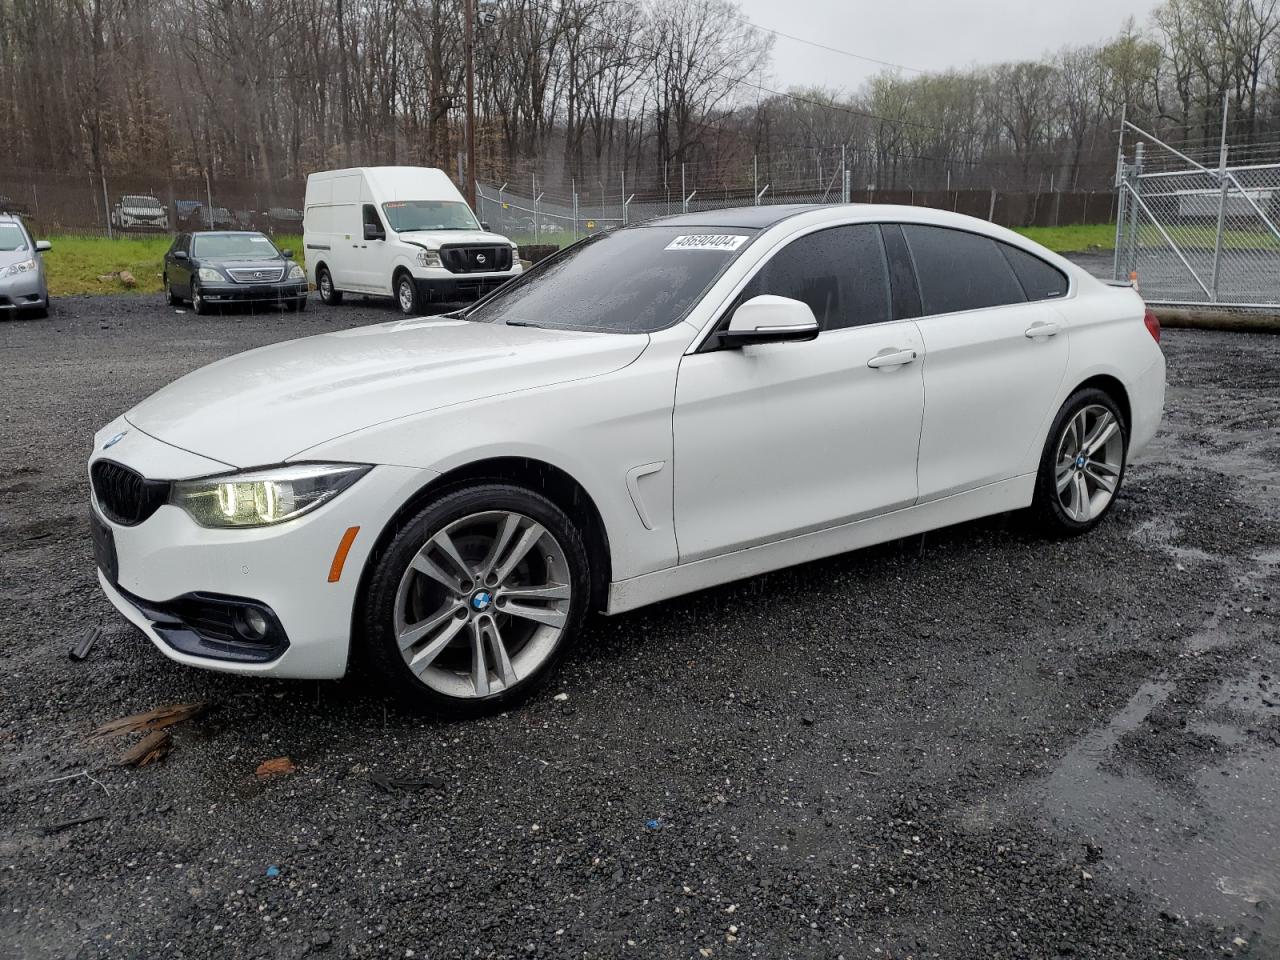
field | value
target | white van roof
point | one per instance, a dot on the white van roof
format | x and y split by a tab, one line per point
396	183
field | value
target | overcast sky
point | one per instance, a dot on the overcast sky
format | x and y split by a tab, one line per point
927	34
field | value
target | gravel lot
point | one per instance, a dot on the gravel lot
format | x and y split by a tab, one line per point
972	744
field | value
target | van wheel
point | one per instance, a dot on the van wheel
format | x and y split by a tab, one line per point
330	295
407	295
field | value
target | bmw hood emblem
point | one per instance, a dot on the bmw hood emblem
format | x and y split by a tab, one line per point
114	440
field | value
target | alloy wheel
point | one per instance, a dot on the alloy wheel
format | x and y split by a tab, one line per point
1088	463
326	285
406	295
483	604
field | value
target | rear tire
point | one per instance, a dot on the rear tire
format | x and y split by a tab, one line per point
407	295
1082	465
174	299
485	589
330	295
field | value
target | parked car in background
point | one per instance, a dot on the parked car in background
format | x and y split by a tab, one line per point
652	411
197	215
23	285
284	220
139	212
403	232
218	268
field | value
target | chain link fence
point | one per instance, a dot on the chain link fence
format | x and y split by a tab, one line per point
141	204
539	218
1197	235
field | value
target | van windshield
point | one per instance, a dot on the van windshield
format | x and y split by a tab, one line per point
407	215
634	280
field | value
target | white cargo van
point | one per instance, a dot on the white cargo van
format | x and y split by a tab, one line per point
403	232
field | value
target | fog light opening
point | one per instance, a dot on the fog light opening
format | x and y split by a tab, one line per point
251	623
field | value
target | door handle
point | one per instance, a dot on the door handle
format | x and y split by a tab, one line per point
1042	329
891	358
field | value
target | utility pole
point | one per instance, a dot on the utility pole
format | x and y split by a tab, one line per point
470	43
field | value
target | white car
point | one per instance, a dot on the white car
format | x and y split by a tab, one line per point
649	412
139	212
403	232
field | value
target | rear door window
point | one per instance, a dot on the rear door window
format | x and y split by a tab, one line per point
841	273
957	270
1040	280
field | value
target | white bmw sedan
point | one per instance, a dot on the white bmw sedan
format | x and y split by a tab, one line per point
649	412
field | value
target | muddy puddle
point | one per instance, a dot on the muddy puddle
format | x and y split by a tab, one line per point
1195	823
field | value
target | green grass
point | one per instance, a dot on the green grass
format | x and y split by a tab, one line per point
1090	237
75	263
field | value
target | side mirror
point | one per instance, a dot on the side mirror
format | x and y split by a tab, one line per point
43	245
374	232
484	226
287	253
180	255
770	319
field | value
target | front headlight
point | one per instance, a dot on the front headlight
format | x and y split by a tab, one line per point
515	253
260	498
296	273
22	266
212	275
428	258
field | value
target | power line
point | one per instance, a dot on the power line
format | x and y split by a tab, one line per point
829	49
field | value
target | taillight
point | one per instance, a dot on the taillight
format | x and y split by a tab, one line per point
1153	324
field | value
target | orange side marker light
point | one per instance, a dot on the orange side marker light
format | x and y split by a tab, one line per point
340	556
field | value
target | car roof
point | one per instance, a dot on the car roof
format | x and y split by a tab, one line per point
747	218
226	233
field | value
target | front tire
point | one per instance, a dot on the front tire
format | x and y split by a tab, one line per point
330	295
199	305
1082	465
407	295
475	600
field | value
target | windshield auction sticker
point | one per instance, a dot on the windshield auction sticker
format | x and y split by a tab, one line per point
724	242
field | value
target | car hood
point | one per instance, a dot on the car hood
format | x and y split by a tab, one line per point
442	238
273	403
13	256
231	263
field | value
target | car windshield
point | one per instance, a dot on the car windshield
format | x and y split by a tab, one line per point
406	215
233	246
12	238
634	280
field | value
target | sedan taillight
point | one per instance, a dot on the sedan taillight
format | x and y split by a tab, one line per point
1153	324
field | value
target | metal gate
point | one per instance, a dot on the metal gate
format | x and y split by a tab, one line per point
1191	234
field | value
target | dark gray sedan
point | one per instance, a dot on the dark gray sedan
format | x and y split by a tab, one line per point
222	267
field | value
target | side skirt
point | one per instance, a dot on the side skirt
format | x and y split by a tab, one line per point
1012	494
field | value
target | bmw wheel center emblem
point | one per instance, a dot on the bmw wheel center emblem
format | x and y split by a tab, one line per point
481	601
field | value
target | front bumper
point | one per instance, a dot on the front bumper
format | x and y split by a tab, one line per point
168	558
253	292
446	287
23	292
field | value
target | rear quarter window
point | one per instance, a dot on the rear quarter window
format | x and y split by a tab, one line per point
957	270
1040	280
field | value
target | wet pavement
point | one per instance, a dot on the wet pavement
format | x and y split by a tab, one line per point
977	743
